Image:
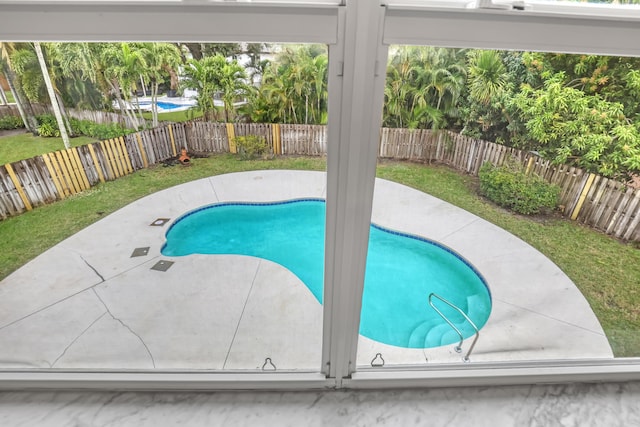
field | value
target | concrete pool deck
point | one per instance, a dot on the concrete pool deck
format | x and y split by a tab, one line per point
88	303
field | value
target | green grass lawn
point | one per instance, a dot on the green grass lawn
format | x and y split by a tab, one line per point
605	270
9	96
25	146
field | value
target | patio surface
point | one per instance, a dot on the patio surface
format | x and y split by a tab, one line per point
88	303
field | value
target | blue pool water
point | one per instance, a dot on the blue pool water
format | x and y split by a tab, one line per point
162	104
168	105
401	271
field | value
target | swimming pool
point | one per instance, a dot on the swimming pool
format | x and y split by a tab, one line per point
165	106
402	270
170	105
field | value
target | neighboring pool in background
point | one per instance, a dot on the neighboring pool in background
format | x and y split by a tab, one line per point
164	106
401	271
170	106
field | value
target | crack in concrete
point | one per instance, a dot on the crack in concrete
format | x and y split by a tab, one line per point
76	293
242	314
102	279
93	268
215	193
76	339
457	230
153	362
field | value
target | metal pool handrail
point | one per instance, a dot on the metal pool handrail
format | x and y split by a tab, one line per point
458	348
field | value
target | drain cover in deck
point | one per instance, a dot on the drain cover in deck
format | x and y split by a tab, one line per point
162	265
160	222
140	252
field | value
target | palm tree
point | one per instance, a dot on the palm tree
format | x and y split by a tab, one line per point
396	93
487	75
256	66
233	84
125	65
423	87
52	96
440	80
399	88
294	86
23	104
162	59
215	75
54	76
79	66
201	75
272	102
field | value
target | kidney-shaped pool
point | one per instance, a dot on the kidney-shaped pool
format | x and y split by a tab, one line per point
402	270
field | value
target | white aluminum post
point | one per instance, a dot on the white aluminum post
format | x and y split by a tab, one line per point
356	90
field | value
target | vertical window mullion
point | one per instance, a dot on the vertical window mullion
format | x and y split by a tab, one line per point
356	91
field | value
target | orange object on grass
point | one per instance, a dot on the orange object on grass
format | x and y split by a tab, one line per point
184	158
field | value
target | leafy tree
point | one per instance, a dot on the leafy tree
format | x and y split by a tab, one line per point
570	126
25	62
423	87
162	61
294	87
256	66
52	96
78	72
40	79
24	106
493	79
613	78
216	76
487	75
124	65
202	50
233	85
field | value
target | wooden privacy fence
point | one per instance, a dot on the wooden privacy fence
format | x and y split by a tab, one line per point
12	109
100	117
55	176
596	201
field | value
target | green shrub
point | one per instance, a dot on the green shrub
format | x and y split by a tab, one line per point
510	187
48	126
10	122
82	127
252	146
101	131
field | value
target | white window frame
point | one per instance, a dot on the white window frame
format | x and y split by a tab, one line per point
358	33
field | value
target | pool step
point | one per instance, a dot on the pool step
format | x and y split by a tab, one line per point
419	334
438	332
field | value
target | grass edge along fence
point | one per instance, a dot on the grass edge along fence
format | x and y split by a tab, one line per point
100	117
605	204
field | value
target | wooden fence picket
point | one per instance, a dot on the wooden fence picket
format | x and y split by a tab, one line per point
596	201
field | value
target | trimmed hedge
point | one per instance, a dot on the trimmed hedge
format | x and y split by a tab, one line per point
510	187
